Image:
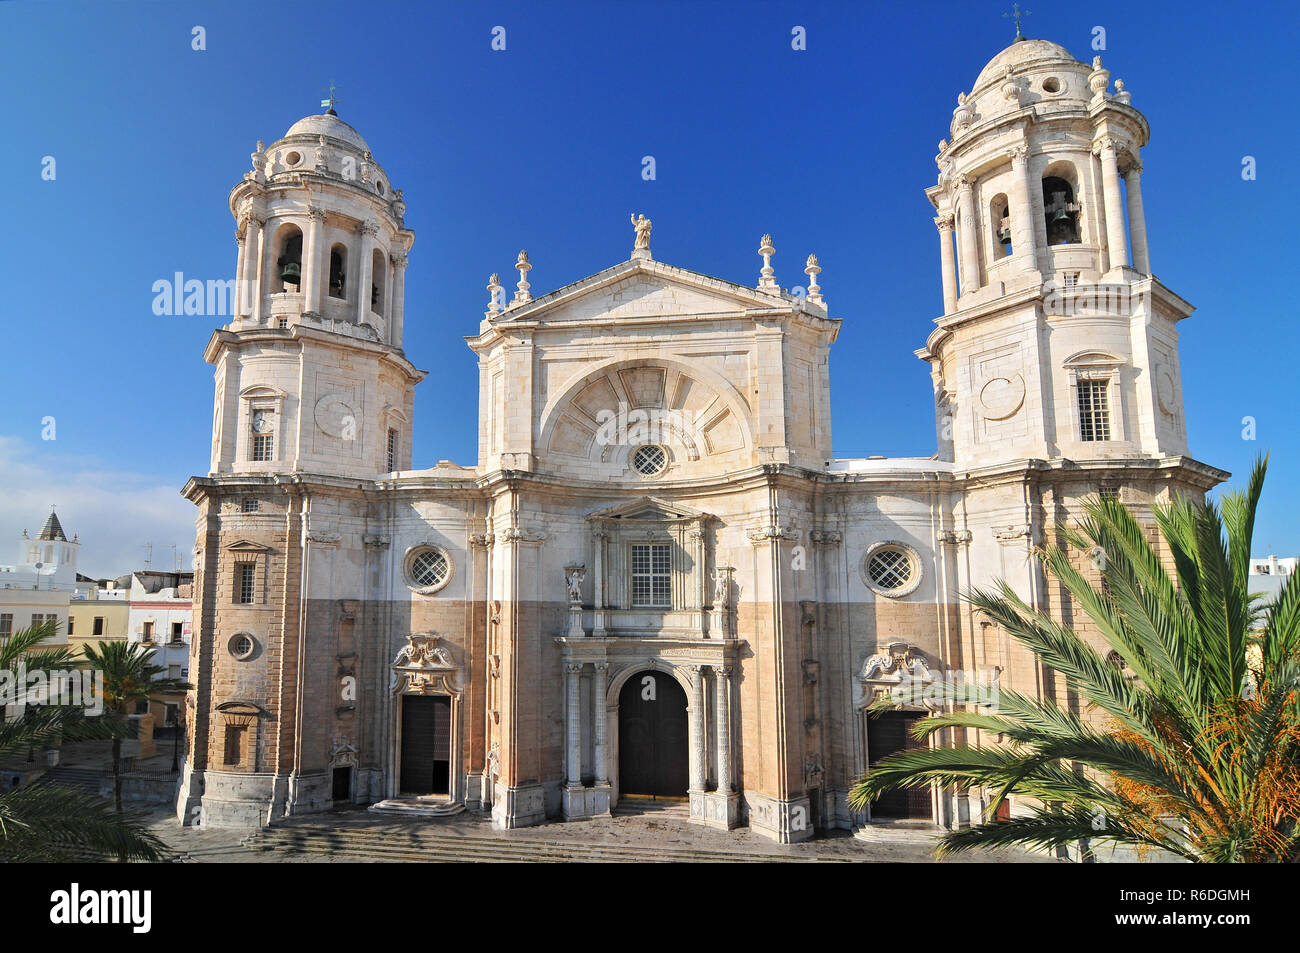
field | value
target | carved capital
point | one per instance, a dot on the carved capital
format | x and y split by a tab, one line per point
316	213
375	541
482	540
772	532
398	259
955	537
826	537
518	534
1010	534
1103	144
368	228
1018	153
944	221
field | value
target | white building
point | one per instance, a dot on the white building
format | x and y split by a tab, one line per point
39	585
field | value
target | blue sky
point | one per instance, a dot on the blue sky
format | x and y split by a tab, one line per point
540	147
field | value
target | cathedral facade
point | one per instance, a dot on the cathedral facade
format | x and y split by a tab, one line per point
657	580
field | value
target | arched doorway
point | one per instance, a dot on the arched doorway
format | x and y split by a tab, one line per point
652	755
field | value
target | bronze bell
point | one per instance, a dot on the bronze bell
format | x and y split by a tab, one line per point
1004	235
291	273
1061	216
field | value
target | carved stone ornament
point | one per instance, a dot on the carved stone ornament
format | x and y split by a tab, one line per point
424	666
899	663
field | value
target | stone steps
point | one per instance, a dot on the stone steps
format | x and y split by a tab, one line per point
441	847
418	807
87	779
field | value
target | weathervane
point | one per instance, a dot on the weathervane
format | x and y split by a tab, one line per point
1016	14
328	104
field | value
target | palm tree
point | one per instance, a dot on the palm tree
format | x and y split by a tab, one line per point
1189	737
47	822
129	677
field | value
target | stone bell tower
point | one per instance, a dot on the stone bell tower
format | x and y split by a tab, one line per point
310	373
1056	340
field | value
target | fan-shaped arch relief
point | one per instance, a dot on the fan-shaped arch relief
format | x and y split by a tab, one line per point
605	416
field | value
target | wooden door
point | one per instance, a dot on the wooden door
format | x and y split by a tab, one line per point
652	755
890	733
426	744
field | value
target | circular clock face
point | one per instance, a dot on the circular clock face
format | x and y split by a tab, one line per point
261	421
1002	396
1166	392
335	416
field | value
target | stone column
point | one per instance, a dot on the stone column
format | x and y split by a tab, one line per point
947	262
697	728
598	586
1115	241
313	278
573	676
970	262
722	676
1022	207
1137	219
251	290
367	232
598	686
395	309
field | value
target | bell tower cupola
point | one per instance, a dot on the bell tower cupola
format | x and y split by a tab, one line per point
1055	339
311	375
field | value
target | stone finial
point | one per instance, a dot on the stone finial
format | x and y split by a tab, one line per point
398	206
521	295
962	116
259	161
641	248
766	281
1010	88
1098	81
814	289
1122	95
496	296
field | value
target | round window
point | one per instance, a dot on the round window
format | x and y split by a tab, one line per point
242	645
649	460
1051	85
892	569
429	569
293	158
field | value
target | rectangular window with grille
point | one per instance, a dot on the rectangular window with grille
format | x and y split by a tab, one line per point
148	631
392	449
98	627
245	582
6	624
249	506
262	446
71	621
1094	410
234	743
1108	492
651	575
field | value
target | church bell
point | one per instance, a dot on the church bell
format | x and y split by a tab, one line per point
291	272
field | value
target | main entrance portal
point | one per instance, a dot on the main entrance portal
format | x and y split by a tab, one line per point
426	744
652	756
890	733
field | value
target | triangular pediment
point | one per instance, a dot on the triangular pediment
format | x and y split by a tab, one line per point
247	546
641	288
649	508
